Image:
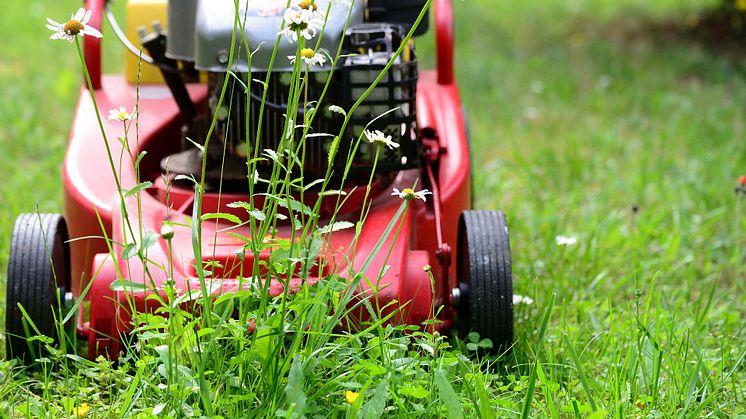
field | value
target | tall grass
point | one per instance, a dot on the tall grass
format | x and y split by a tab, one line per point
642	317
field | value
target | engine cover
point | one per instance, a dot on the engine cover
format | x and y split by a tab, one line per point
202	30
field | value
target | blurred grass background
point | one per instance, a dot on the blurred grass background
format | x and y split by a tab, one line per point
599	119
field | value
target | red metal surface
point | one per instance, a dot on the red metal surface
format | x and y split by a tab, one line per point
90	195
444	37
91	44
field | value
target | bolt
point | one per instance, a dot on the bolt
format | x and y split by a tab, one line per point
456	294
157	27
223	57
142	31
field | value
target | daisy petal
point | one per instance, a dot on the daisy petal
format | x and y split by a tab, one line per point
90	30
79	15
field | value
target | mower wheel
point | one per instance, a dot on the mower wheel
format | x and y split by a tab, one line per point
39	280
485	303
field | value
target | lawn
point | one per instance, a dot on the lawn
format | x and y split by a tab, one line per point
598	119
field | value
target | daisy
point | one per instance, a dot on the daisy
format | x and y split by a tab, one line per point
522	299
377	137
301	22
120	114
408	193
310	57
565	240
77	25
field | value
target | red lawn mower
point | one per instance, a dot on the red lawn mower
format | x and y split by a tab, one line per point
54	259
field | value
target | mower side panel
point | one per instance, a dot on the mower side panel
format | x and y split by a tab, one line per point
89	187
439	109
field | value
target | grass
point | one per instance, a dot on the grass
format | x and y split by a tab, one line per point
590	119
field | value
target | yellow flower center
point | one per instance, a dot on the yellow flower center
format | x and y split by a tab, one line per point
307	53
73	27
741	5
306	4
351	396
123	115
408	192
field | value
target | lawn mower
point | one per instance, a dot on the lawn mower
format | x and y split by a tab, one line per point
177	82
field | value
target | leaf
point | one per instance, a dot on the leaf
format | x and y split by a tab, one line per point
239	204
149	239
186	177
252	211
272	155
338	109
485	343
294	389
257	214
333	149
447	395
374	408
139	158
129	251
200	147
319	134
312	184
189	296
204	331
295	206
221	216
339	225
333	192
137	188
418	392
127	285
484	399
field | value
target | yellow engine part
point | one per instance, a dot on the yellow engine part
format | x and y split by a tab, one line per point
143	13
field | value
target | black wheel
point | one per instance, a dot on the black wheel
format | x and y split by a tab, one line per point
485	294
38	280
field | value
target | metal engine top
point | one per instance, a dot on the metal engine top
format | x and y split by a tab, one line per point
201	31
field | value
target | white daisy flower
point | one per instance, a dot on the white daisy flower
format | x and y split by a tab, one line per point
565	240
409	193
77	25
522	299
120	114
377	137
301	22
310	57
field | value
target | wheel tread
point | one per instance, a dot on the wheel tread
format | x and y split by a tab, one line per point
35	253
483	236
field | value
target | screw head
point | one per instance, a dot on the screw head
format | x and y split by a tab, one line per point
456	294
223	56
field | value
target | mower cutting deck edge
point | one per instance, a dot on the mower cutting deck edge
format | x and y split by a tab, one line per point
468	250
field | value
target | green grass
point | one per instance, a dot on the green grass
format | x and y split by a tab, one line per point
579	112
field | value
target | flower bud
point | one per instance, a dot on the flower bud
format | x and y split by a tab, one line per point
167	232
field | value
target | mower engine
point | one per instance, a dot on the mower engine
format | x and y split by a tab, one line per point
199	40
